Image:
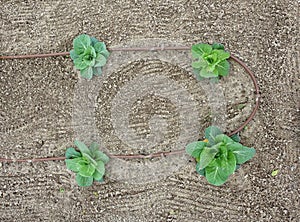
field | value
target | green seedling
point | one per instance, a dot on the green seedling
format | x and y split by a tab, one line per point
274	173
241	106
89	55
88	163
218	156
210	61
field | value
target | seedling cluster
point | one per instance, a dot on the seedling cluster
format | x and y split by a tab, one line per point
89	55
88	163
210	61
218	156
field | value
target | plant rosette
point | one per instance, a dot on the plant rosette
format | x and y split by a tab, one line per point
89	55
88	163
219	155
210	61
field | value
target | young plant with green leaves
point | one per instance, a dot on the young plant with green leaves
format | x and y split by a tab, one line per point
88	163
210	61
89	55
219	155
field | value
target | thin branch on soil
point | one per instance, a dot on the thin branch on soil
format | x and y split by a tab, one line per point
110	49
159	154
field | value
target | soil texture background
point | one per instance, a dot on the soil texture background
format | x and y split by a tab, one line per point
36	109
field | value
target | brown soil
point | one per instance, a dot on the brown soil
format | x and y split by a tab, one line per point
37	95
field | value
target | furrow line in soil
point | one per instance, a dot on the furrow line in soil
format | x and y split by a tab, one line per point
184	208
127	73
194	180
25	214
207	199
124	197
35	186
25	121
29	120
145	199
110	192
194	186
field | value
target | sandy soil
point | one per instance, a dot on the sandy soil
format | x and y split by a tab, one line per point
36	109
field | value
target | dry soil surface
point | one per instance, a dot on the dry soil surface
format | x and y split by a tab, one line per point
37	109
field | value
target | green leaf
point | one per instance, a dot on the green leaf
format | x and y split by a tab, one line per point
87	72
211	68
236	138
105	53
89	159
86	170
73	54
101	156
82	147
97	71
90	51
204	72
100	46
207	155
100	170
218	46
223	151
200	49
73	164
100	61
197	74
84	181
80	63
89	62
216	72
205	48
200	171
212	58
223	68
211	133
93	41
242	153
224	139
218	171
80	43
213	174
197	65
97	176
93	148
222	55
100	180
72	153
194	149
196	71
89	56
